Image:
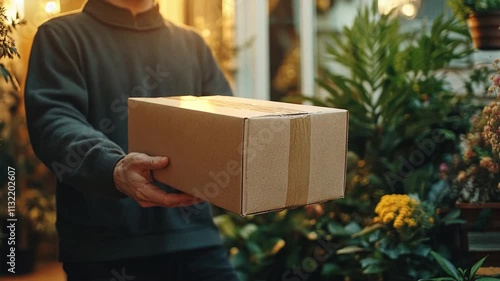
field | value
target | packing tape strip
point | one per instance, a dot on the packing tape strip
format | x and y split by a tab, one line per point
238	105
299	164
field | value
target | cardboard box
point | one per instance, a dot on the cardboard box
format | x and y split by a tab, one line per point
246	156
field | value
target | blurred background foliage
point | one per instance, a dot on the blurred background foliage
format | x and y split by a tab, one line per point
34	184
405	127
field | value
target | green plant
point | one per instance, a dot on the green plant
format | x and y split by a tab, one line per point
459	274
396	245
399	100
464	8
266	247
404	123
7	45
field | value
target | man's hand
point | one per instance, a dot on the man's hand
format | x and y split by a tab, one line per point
132	176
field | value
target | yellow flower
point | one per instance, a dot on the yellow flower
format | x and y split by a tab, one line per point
397	210
388	217
398	223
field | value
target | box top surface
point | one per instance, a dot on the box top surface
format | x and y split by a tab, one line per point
236	107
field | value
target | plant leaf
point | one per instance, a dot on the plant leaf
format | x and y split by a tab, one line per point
454	221
446	265
454	214
373	268
349	250
368	229
476	267
369	261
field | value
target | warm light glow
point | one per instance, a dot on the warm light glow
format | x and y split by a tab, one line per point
52	7
228	7
206	32
173	10
406	8
14	7
20	7
196	103
409	10
228	10
386	6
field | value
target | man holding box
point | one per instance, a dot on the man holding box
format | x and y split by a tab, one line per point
114	222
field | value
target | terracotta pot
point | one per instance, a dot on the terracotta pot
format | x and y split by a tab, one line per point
483	27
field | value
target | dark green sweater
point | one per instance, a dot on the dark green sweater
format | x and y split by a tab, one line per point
82	69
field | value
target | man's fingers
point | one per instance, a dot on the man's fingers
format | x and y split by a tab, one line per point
180	199
146	204
152	194
157	197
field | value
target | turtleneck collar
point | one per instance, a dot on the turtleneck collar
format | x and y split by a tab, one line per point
121	17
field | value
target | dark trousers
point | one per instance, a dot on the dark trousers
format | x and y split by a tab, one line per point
208	264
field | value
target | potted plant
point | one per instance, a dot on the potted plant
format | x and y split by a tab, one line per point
476	172
477	177
483	19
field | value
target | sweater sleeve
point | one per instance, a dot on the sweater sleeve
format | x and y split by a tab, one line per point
56	102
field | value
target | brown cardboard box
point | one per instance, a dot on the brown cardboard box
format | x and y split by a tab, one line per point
247	156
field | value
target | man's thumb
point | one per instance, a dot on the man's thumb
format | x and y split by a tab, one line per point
156	162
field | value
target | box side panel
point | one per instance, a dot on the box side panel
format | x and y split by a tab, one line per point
204	150
265	182
328	156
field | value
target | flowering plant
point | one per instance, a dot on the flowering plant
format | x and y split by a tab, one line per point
398	242
402	212
477	177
